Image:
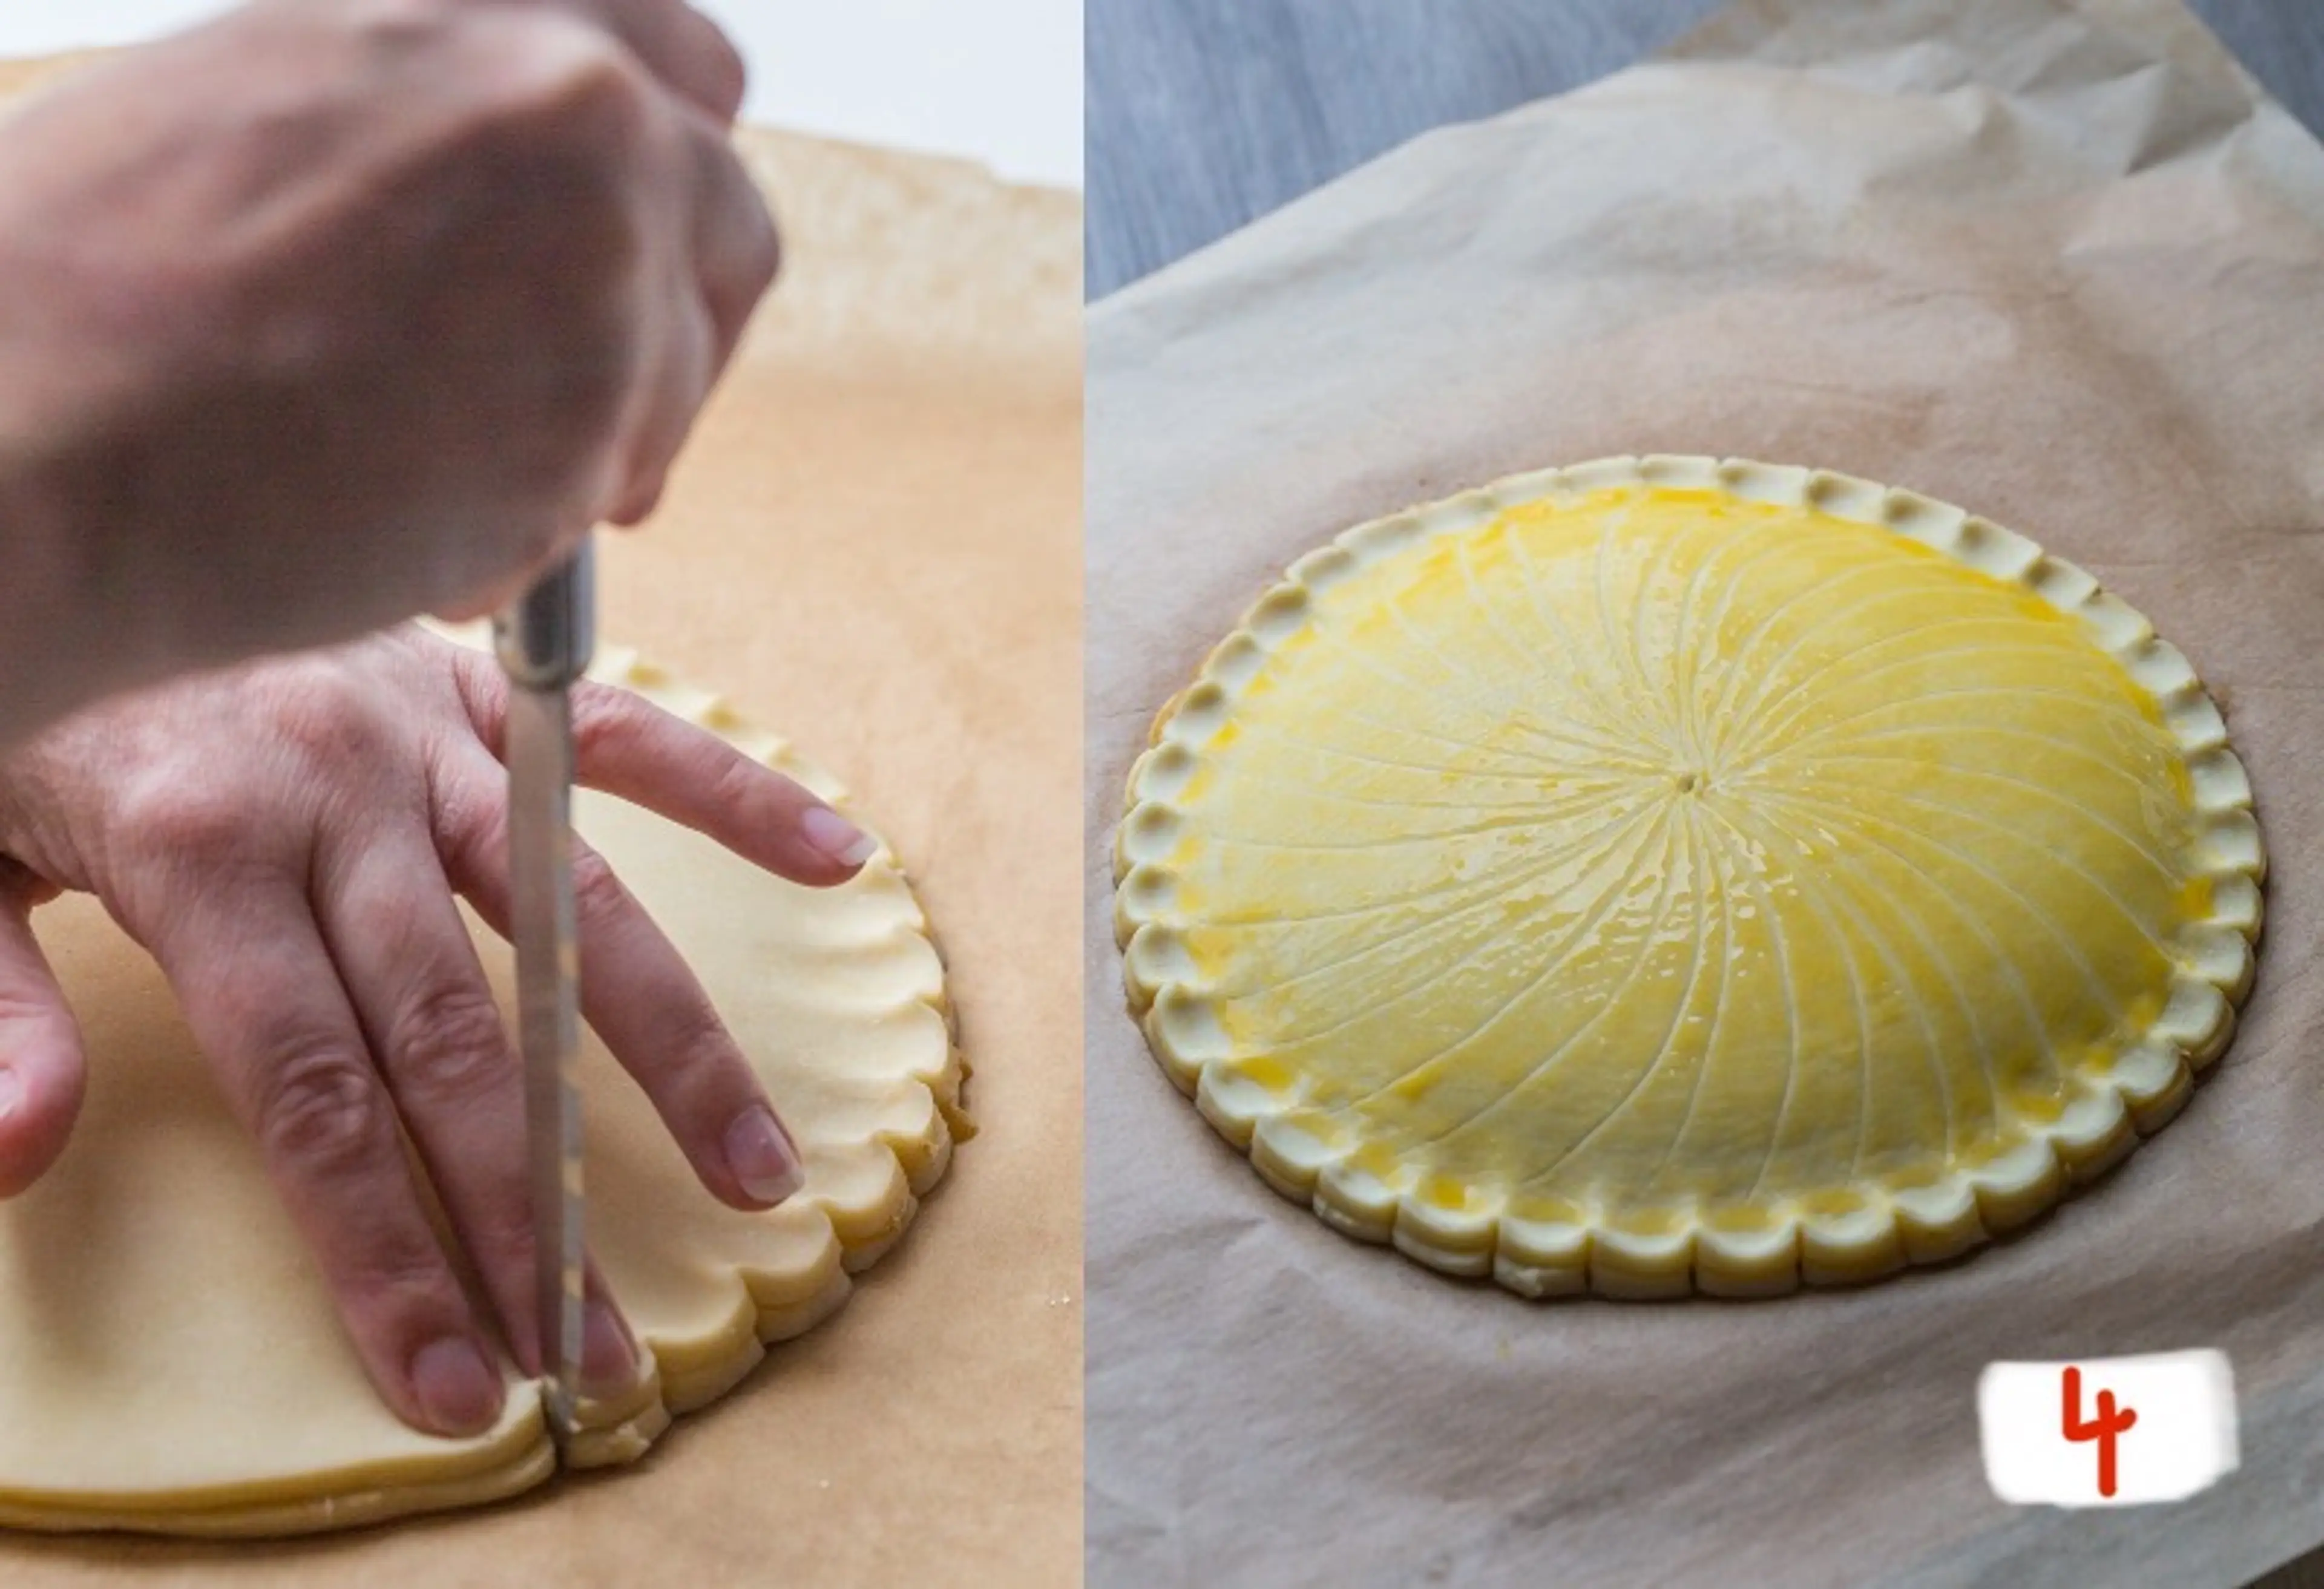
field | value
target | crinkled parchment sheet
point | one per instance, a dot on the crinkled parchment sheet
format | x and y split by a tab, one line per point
2057	261
872	547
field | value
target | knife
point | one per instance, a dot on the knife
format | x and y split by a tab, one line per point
543	642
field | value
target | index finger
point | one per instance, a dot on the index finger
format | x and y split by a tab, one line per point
625	746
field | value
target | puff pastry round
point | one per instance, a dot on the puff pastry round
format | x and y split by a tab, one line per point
169	1358
1669	873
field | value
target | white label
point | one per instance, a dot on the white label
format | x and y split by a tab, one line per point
2108	1431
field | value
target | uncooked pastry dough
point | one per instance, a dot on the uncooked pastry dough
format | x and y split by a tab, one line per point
1669	872
169	1358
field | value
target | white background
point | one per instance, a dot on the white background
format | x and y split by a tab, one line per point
997	80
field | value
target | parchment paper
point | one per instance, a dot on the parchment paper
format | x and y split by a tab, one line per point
872	545
2054	261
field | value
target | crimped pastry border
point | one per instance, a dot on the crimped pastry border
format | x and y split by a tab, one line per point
770	1307
2143	1088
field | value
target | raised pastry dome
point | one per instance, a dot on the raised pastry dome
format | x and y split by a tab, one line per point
1676	872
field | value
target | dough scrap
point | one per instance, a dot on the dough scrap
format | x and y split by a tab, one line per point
1667	873
168	1359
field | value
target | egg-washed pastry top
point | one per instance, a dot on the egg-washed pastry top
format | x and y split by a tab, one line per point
1668	873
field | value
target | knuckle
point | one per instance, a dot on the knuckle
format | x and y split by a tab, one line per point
742	243
500	1236
325	725
480	687
169	816
401	25
605	721
599	896
574	86
700	1044
320	1109
560	132
401	1274
448	1044
736	785
726	73
477	831
696	1070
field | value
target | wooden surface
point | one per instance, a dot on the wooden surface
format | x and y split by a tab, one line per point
1202	114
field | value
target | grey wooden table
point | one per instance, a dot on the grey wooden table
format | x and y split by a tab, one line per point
1202	114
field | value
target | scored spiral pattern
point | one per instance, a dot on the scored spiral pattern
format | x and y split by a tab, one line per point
1669	873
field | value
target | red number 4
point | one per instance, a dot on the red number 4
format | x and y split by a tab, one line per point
2109	1422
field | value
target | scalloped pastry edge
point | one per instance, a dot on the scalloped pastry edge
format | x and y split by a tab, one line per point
770	1307
773	1306
2146	1085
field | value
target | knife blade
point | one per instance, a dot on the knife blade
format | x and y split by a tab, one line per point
543	643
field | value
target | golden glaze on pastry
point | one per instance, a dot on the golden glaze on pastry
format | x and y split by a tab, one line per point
1668	872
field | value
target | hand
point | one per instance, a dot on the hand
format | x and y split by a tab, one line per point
287	839
335	311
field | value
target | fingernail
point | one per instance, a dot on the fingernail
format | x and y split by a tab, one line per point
761	1157
12	1090
457	1390
835	836
609	1356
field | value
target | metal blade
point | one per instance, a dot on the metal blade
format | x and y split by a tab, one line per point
549	1025
543	643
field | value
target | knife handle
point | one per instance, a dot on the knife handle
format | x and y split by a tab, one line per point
544	638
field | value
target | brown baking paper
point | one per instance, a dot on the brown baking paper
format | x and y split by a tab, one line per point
872	545
2057	262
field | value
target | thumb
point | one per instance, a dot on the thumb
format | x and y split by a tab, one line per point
41	1072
